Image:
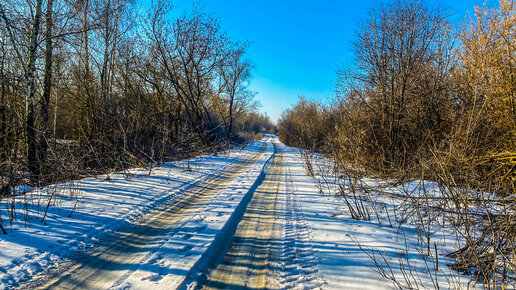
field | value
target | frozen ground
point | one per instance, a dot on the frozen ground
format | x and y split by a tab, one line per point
125	231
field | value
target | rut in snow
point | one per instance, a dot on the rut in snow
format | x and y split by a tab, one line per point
296	257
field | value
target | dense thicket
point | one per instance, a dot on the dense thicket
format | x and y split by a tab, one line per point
94	85
422	97
426	102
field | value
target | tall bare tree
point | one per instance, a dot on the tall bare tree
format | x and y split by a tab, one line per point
32	158
47	82
190	50
404	59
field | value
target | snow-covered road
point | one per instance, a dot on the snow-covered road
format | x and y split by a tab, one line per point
247	261
251	220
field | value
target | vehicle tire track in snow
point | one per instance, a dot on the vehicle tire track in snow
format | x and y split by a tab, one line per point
247	261
125	250
271	248
296	263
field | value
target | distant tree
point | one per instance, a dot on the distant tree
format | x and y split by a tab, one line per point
236	74
305	125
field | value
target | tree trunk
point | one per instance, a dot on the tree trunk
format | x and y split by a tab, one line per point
32	158
3	125
9	31
85	83
104	72
86	53
47	83
230	128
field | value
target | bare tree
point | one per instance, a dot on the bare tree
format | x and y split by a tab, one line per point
47	83
115	98
235	73
404	59
32	158
190	50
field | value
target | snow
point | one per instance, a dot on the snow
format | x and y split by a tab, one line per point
321	245
83	211
344	247
198	240
297	257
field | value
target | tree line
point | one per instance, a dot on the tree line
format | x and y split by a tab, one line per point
425	101
422	97
89	86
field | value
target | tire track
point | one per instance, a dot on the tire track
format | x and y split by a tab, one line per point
271	248
247	261
297	259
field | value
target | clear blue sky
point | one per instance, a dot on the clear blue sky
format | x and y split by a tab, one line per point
296	45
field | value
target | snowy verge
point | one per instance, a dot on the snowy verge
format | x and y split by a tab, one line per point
82	211
295	260
345	248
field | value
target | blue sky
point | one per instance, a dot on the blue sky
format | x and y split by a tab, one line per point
296	45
